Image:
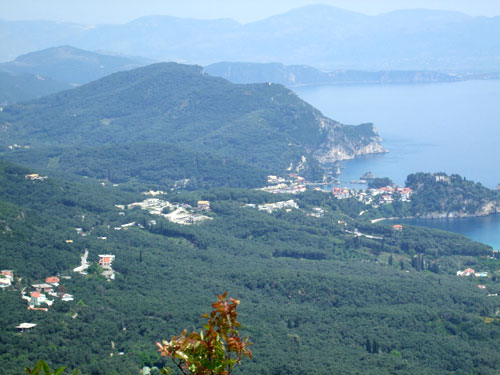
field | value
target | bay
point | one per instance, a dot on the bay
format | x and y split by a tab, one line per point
444	127
484	229
439	127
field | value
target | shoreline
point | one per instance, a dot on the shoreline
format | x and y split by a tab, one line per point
377	220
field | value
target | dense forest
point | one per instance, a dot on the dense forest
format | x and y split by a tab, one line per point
314	296
264	125
450	196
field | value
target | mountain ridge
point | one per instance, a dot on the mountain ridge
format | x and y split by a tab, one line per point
265	125
324	37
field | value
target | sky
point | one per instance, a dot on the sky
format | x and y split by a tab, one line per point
122	11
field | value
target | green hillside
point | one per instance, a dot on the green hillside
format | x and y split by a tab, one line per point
263	125
18	87
312	294
144	165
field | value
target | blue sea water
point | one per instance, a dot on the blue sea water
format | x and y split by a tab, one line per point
442	127
445	127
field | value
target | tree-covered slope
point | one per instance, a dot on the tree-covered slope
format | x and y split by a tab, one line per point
159	165
314	297
265	125
18	87
440	195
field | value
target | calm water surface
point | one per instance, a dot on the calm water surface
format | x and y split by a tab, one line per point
445	127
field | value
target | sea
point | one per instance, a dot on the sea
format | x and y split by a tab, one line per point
435	127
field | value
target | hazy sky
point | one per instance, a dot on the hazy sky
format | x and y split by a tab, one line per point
121	11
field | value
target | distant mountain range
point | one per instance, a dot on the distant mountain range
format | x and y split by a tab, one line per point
71	65
263	125
321	36
300	75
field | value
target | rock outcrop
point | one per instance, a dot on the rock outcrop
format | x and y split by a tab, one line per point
344	142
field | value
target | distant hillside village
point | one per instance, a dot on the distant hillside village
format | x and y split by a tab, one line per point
374	197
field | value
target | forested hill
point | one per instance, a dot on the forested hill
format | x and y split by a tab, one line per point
439	195
265	125
310	290
17	87
143	165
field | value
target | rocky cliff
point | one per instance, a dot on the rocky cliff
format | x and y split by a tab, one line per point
342	143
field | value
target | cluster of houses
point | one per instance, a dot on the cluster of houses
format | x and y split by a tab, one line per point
38	300
279	185
270	207
181	213
374	197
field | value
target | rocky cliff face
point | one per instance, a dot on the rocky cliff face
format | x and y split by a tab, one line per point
487	209
342	142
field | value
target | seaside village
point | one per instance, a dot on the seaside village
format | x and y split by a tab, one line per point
374	197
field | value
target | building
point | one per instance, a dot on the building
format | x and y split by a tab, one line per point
397	227
6	278
203	205
37	299
44	286
466	272
54	280
25	327
106	260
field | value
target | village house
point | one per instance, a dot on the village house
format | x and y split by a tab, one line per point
204	205
106	260
43	287
466	272
54	280
397	227
37	299
25	327
340	193
6	278
386	199
35	177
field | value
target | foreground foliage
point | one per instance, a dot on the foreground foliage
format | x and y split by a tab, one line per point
211	350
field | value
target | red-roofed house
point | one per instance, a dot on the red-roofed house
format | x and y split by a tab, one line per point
466	272
106	260
52	280
7	273
37	298
397	227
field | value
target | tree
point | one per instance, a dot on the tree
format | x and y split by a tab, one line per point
216	349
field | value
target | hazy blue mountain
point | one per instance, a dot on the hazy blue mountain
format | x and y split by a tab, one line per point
265	125
17	87
318	35
299	75
72	65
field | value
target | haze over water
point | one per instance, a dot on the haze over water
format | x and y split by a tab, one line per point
445	127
